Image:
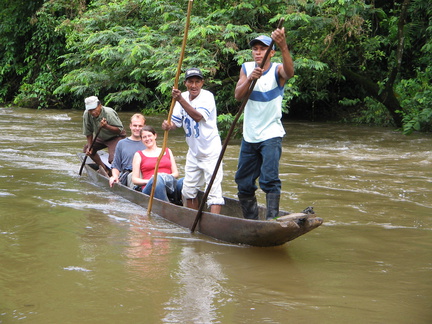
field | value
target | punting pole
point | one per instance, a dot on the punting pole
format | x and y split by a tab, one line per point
173	101
91	146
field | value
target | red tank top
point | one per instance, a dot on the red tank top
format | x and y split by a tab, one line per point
148	164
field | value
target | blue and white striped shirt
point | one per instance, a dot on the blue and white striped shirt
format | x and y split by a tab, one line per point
263	111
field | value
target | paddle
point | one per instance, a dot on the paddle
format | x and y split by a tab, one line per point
91	146
224	146
173	101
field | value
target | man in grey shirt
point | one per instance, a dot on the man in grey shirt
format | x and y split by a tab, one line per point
122	165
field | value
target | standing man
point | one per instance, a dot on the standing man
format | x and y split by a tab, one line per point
124	152
195	110
261	146
111	131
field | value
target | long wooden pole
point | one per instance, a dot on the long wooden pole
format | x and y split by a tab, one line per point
224	146
173	101
91	146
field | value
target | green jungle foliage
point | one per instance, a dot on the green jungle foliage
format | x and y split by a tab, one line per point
356	60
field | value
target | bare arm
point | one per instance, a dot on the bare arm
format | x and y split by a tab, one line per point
89	143
114	177
286	69
244	82
193	113
112	129
136	170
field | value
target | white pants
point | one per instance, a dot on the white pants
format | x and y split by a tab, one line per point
199	172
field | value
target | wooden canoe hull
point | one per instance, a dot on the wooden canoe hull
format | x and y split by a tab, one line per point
229	226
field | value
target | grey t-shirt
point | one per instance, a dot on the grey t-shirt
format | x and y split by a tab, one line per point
124	153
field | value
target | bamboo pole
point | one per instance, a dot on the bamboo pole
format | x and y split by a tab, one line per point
173	101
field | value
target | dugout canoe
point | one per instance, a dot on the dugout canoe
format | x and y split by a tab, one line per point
229	226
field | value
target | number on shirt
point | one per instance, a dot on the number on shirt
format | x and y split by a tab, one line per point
188	122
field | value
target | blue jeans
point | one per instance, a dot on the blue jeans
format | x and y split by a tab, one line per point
259	160
167	187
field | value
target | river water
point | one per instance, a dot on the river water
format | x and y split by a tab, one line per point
71	252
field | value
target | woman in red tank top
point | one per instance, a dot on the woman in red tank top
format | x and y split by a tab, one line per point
143	167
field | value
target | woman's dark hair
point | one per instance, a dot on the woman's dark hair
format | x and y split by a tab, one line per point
148	128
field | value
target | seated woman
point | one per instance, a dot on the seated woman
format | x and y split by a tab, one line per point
168	188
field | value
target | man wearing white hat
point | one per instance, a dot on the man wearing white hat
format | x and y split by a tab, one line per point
111	130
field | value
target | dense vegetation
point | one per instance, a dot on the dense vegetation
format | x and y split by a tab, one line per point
357	61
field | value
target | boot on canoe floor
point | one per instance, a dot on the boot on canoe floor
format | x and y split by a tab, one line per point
249	206
272	200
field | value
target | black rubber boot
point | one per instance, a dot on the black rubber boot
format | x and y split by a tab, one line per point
272	205
249	207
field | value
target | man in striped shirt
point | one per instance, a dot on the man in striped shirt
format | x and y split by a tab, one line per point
261	146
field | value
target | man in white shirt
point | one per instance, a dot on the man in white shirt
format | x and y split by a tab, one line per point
195	110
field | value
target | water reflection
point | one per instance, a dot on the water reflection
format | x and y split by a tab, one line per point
148	251
201	289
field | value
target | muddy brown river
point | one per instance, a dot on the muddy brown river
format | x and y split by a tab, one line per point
71	252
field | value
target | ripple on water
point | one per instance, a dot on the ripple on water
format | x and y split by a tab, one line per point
75	268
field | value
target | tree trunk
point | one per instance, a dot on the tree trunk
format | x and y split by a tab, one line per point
387	96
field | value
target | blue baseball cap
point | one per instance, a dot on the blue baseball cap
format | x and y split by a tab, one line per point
261	39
